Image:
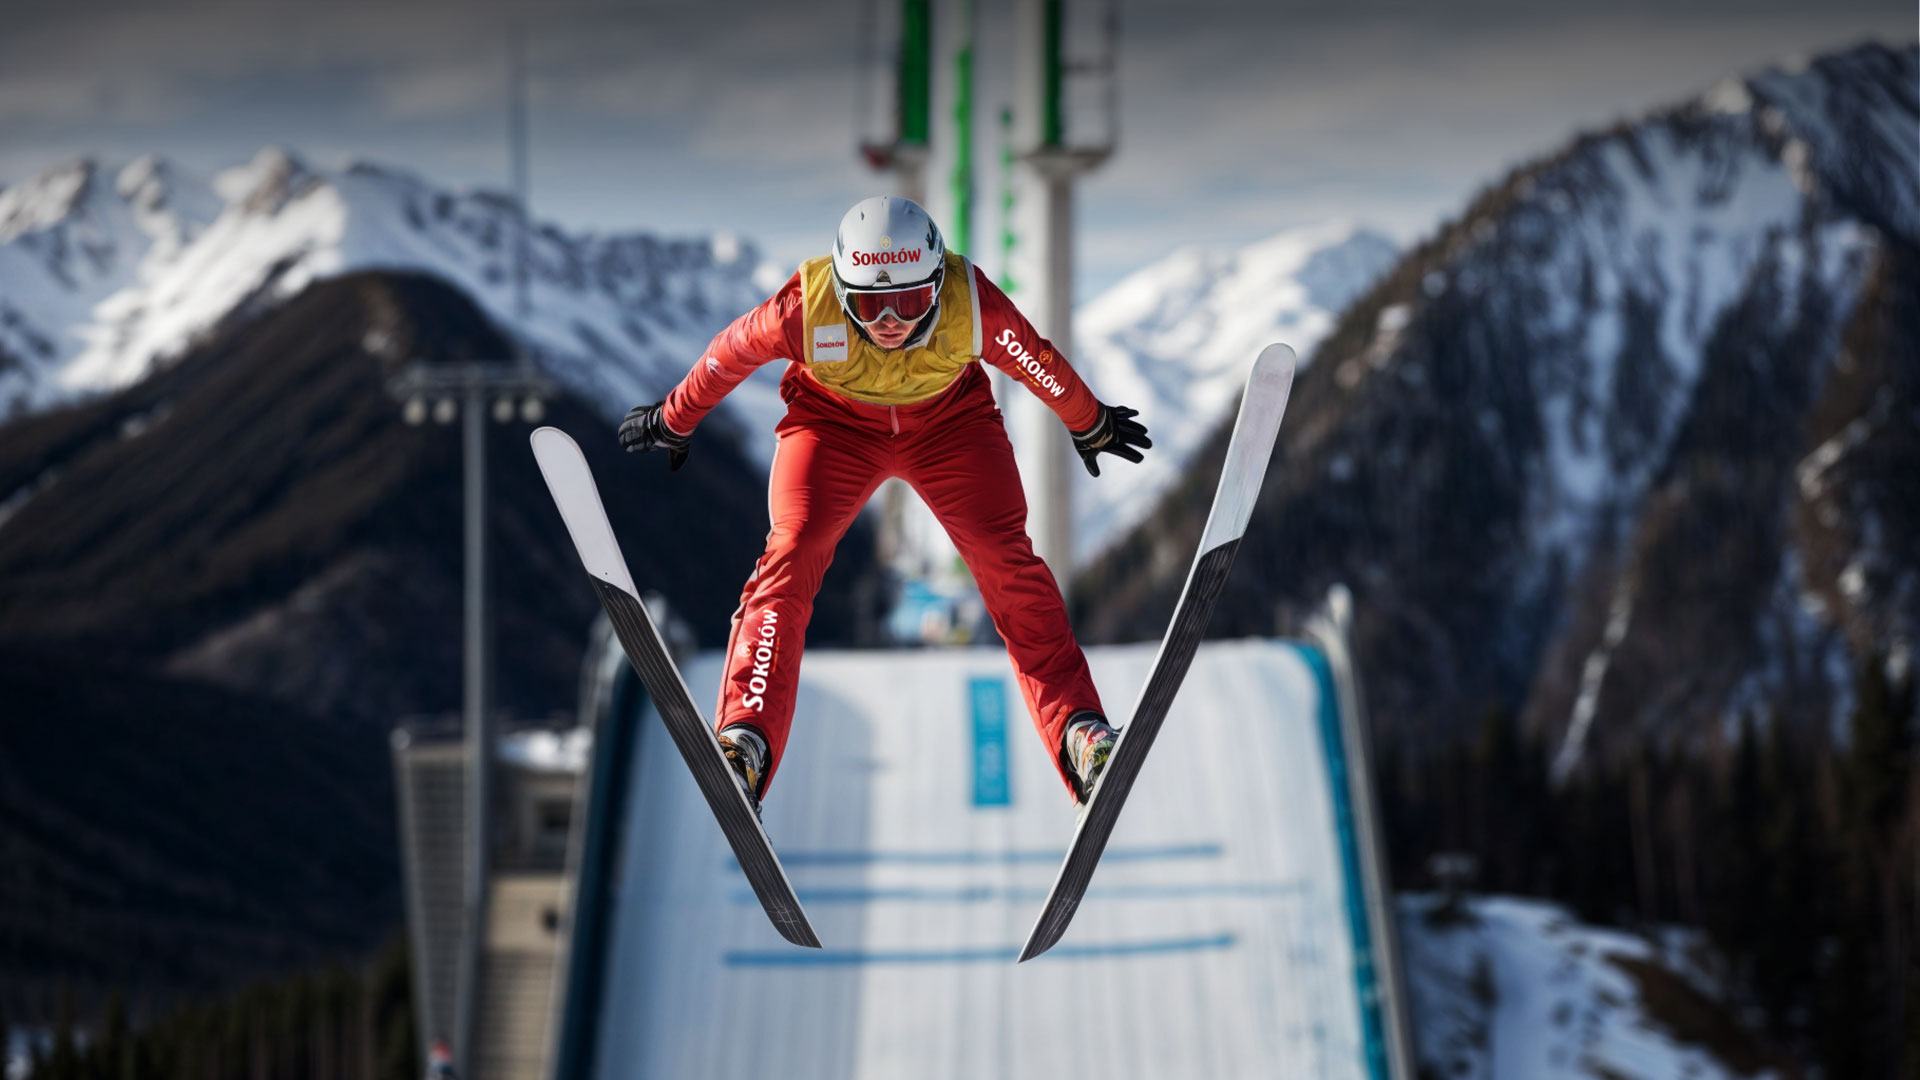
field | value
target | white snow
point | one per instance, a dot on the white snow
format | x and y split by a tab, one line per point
20	496
1593	674
1520	990
1213	942
1807	105
1729	96
1393	319
547	751
1174	340
1853	582
1638	247
100	282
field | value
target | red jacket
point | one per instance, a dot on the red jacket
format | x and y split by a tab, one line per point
773	331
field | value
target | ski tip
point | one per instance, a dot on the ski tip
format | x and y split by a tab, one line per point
792	923
548	435
1034	947
1276	360
1046	934
800	934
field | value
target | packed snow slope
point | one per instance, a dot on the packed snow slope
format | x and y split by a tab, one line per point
1632	439
922	823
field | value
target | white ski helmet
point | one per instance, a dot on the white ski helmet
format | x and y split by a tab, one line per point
886	242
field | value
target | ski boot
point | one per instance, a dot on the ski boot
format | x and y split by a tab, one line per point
1085	748
746	752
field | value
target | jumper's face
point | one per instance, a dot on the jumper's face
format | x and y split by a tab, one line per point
889	332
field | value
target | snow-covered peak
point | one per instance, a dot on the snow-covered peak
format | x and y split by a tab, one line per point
100	281
170	204
151	192
70	238
264	184
1174	340
46	200
1849	120
1194	289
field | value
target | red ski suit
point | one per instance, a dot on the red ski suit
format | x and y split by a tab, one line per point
834	451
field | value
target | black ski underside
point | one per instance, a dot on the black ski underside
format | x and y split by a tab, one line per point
695	740
1190	617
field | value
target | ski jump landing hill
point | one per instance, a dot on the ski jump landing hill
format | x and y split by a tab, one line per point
1234	928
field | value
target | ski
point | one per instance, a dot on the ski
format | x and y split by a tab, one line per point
571	483
1254	431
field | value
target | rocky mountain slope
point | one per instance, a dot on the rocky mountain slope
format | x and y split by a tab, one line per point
259	515
1623	446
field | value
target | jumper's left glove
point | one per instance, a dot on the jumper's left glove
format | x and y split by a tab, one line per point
645	428
1116	432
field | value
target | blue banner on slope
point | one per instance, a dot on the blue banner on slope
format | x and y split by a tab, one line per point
991	784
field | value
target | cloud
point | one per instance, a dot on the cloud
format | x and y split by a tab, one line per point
1369	103
1236	119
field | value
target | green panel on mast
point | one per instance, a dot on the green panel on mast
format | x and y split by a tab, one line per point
1008	239
914	85
1053	108
960	233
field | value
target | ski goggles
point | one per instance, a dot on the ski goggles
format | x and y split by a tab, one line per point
909	303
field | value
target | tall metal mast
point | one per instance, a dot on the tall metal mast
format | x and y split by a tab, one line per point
1066	127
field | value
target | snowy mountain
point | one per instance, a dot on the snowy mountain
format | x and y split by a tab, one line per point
1174	340
1511	989
1631	441
105	273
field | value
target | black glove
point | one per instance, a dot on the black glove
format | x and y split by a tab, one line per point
1116	433
645	428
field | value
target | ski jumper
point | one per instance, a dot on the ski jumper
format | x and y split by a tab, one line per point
858	414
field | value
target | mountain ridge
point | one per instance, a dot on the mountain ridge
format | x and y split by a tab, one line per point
1476	443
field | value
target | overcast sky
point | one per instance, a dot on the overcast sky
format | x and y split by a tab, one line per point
1235	121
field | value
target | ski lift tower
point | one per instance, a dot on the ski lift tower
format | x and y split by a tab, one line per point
1066	122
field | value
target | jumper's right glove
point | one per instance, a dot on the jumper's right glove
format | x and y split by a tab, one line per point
645	428
1116	432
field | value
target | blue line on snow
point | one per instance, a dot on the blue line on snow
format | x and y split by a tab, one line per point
1333	751
858	957
981	894
972	858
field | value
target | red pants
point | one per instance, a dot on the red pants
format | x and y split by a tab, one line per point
953	450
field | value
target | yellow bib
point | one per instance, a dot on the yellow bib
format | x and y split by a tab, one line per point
853	366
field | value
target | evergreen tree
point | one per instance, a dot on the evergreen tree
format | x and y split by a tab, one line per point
1734	918
1790	915
1879	750
396	1039
111	1057
1877	765
64	1062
